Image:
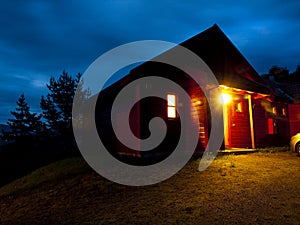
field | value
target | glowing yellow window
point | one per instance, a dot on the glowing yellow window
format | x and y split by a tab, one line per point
284	111
171	106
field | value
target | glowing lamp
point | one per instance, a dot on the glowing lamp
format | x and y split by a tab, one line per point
225	98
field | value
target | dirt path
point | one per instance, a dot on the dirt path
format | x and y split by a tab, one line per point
259	188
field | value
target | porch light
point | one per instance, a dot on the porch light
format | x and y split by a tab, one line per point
199	102
225	98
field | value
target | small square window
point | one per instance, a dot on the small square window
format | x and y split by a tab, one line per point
284	111
274	111
238	107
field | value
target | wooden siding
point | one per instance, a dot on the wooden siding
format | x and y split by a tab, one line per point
294	116
260	123
239	123
282	124
200	111
265	111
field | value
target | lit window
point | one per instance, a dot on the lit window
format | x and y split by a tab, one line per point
171	106
238	107
284	111
274	111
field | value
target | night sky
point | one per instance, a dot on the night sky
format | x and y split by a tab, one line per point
40	39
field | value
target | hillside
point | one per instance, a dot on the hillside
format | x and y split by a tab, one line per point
258	188
17	159
4	128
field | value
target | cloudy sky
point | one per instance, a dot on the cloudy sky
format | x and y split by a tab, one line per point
40	39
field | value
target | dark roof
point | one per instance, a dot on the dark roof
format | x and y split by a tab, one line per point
225	60
279	91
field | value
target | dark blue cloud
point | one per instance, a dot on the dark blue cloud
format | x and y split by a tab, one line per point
40	39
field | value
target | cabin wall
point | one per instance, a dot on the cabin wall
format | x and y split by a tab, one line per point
156	107
282	124
260	123
197	109
294	118
200	114
151	107
104	127
270	123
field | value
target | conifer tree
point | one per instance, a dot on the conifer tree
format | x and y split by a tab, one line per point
24	123
57	105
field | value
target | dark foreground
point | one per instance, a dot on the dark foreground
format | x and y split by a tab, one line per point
258	188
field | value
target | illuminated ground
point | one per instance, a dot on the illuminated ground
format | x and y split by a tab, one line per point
258	188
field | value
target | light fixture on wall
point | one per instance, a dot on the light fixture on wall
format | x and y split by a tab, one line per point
225	98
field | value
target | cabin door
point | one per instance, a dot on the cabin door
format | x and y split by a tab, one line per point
237	133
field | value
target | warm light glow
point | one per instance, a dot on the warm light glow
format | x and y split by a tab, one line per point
284	112
199	102
171	106
171	112
271	126
171	100
225	98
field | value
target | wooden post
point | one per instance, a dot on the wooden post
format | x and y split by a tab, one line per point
251	121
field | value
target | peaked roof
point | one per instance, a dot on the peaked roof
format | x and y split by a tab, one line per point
225	60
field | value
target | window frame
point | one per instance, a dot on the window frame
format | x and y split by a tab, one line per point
171	105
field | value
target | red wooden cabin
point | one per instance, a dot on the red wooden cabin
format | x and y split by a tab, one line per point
246	100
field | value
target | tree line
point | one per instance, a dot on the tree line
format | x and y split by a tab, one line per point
283	74
55	118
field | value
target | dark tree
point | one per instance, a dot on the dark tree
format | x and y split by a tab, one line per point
25	123
50	114
280	74
295	76
283	75
82	93
57	105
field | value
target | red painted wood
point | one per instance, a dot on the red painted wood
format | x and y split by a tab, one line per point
239	123
201	110
294	117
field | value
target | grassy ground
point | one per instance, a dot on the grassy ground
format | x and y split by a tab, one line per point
258	188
